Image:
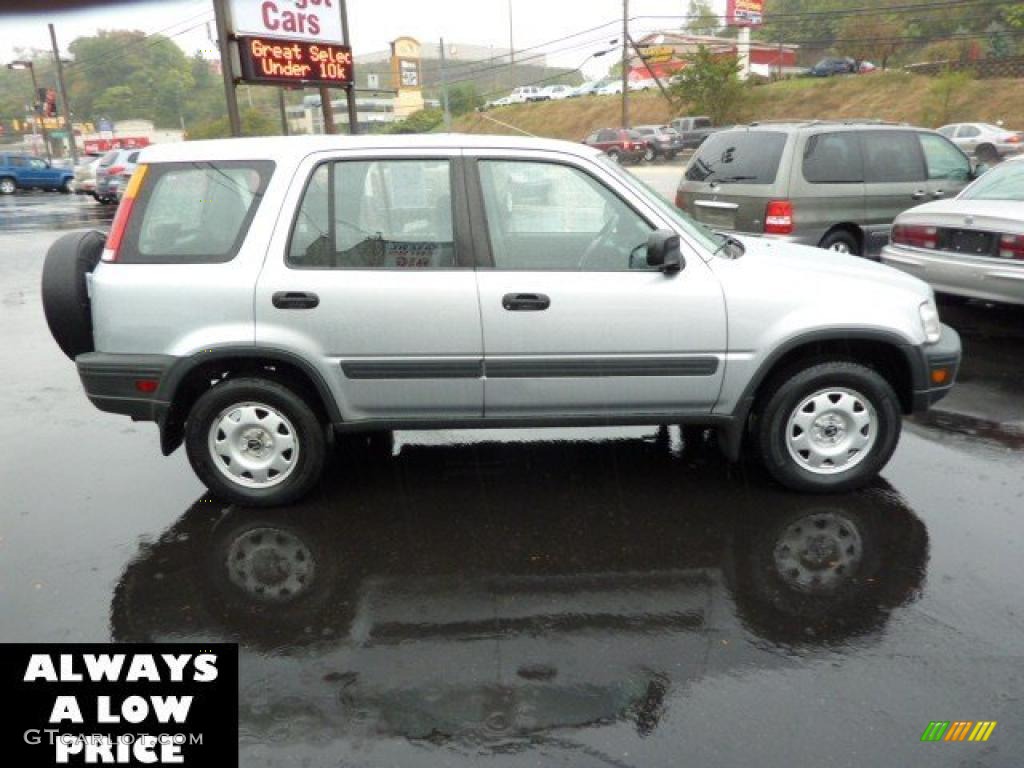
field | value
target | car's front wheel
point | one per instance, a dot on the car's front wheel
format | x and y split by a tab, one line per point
7	186
829	427
615	155
255	442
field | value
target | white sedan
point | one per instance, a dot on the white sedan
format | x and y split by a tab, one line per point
971	245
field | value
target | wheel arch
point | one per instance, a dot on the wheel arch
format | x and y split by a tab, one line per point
191	376
849	227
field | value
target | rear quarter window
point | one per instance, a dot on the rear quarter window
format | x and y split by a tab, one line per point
194	213
738	157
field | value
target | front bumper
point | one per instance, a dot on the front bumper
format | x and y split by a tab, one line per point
936	370
125	384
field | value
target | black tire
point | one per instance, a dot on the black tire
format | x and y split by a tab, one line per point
65	298
841	240
7	186
65	188
650	155
615	155
785	394
306	430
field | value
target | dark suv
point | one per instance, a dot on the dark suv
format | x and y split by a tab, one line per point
833	66
834	185
19	171
620	144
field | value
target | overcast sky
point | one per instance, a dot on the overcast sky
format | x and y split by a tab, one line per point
373	23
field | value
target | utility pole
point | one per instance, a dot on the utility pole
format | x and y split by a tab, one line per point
625	63
444	92
220	12
64	98
37	111
327	109
511	51
651	72
350	91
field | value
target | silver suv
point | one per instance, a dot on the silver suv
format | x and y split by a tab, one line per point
255	296
834	185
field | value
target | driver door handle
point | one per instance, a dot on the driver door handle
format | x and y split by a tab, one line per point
525	302
295	300
918	194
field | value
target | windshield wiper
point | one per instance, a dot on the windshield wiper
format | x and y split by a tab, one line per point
729	179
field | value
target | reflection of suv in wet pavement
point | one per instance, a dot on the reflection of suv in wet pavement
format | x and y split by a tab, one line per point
834	185
531	587
423	282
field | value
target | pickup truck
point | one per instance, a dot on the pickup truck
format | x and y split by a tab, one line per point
693	130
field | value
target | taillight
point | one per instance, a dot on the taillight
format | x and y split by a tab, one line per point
124	212
114	170
914	235
1013	138
1012	247
778	217
680	201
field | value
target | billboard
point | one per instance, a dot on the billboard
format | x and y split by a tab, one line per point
744	13
315	21
271	60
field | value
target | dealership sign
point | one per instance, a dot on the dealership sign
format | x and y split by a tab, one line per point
744	13
266	60
317	21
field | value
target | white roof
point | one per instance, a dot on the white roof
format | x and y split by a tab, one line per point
295	147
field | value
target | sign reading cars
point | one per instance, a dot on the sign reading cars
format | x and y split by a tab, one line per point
744	13
294	61
312	20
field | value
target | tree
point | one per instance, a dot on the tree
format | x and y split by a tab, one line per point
701	18
463	98
421	121
711	84
871	38
254	123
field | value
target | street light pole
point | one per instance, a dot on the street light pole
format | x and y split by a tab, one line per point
350	91
220	13
625	63
444	92
64	98
36	116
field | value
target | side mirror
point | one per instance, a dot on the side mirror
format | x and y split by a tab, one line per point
663	251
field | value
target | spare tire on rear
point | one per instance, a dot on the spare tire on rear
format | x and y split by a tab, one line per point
65	297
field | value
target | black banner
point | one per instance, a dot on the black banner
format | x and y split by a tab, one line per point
120	704
268	60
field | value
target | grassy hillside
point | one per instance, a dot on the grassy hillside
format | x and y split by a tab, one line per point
888	96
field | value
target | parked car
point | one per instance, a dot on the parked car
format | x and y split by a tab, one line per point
555	92
610	88
84	182
693	130
504	101
971	246
112	173
833	66
834	185
661	141
248	311
18	171
620	144
525	93
587	89
989	143
643	84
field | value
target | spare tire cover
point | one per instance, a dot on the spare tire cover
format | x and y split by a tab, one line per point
65	297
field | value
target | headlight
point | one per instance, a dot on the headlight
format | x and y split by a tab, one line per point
930	322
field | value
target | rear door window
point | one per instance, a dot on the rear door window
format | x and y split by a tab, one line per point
892	156
944	160
738	157
833	158
195	213
701	122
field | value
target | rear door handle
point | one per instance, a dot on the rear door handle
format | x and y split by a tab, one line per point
938	193
525	302
295	300
918	194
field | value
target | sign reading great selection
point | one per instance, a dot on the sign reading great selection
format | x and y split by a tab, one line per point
291	41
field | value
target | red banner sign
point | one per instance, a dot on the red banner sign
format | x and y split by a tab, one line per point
744	13
268	60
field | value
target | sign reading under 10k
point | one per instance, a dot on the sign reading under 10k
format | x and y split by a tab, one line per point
293	61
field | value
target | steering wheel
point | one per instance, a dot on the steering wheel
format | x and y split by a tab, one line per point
598	241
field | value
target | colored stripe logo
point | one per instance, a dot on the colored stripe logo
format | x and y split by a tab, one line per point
958	730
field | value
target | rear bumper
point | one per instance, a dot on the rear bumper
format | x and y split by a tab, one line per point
978	277
943	356
120	383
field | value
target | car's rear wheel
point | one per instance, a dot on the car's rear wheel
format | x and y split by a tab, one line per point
255	442
650	154
841	241
7	186
987	154
828	427
65	188
615	155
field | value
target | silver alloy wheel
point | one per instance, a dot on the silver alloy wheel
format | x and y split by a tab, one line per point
649	155
819	552
840	247
615	156
831	431
7	186
253	445
270	564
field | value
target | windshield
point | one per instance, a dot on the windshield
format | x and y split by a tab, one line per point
706	237
1004	182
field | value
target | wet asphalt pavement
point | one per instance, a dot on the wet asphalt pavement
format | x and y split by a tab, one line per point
605	597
